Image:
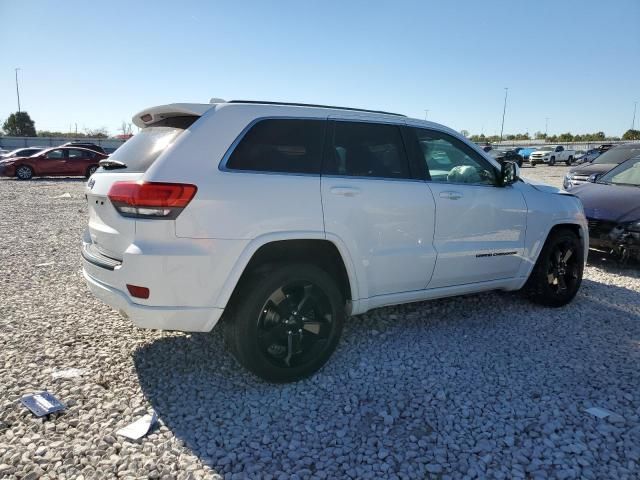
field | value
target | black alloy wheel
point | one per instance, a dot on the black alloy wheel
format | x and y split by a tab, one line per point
284	324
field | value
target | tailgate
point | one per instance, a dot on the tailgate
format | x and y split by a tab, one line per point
110	232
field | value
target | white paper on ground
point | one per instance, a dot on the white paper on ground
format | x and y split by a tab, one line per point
44	264
68	373
64	195
599	412
139	428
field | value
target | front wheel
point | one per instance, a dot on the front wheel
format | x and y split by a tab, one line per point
24	172
552	161
557	275
285	324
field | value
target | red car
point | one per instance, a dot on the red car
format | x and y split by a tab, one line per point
57	161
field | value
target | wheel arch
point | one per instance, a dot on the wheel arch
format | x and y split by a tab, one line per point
576	227
302	247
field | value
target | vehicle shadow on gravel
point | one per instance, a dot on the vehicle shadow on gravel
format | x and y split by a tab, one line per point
612	263
431	387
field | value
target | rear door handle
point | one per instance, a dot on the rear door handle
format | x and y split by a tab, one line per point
345	191
451	195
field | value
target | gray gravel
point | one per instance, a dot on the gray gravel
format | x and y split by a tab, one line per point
485	386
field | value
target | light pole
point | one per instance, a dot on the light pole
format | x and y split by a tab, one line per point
546	126
17	89
504	109
633	122
426	112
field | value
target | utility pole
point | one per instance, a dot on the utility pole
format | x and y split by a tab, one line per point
426	112
504	109
546	126
633	122
17	89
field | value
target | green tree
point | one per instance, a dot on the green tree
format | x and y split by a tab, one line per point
566	137
464	133
19	124
631	135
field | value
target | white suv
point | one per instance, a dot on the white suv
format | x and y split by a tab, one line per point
282	219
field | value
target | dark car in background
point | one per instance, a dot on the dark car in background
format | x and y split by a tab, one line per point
591	171
90	146
511	155
22	152
57	161
612	207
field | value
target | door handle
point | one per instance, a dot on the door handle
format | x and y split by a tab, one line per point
451	195
345	191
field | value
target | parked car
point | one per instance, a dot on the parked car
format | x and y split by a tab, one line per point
552	154
605	162
300	215
22	152
90	146
525	152
612	206
511	155
588	156
52	162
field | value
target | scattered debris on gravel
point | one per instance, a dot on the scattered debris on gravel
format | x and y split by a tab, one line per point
484	386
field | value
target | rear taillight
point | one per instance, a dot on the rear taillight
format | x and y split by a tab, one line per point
152	199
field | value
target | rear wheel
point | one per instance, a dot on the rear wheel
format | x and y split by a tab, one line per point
569	160
91	170
285	324
23	172
552	161
557	275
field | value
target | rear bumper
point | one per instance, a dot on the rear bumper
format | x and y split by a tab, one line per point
185	278
186	319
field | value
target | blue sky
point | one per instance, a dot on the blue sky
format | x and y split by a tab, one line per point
97	63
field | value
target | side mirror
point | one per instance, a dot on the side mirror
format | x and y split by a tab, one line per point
509	173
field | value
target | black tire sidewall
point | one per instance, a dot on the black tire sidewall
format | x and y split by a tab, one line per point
552	161
538	287
242	329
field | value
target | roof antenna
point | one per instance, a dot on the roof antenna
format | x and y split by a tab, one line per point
217	100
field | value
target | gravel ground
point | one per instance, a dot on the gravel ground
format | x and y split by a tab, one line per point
484	386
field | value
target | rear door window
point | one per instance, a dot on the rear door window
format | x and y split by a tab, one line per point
75	154
363	149
280	145
56	154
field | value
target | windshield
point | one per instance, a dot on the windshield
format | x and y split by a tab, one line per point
546	149
627	173
141	150
617	155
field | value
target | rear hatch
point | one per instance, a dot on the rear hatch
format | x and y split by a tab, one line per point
109	232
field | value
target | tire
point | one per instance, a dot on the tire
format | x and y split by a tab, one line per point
284	324
552	161
24	172
547	285
569	160
533	164
91	170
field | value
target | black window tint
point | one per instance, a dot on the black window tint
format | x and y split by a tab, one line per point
73	154
280	145
362	149
55	154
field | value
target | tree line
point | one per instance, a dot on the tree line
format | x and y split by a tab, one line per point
567	137
20	124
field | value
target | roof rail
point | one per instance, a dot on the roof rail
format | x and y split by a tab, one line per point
289	104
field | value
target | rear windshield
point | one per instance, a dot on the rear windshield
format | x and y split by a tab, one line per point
141	150
617	155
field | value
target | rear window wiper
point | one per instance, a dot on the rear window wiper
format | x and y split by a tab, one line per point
109	164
